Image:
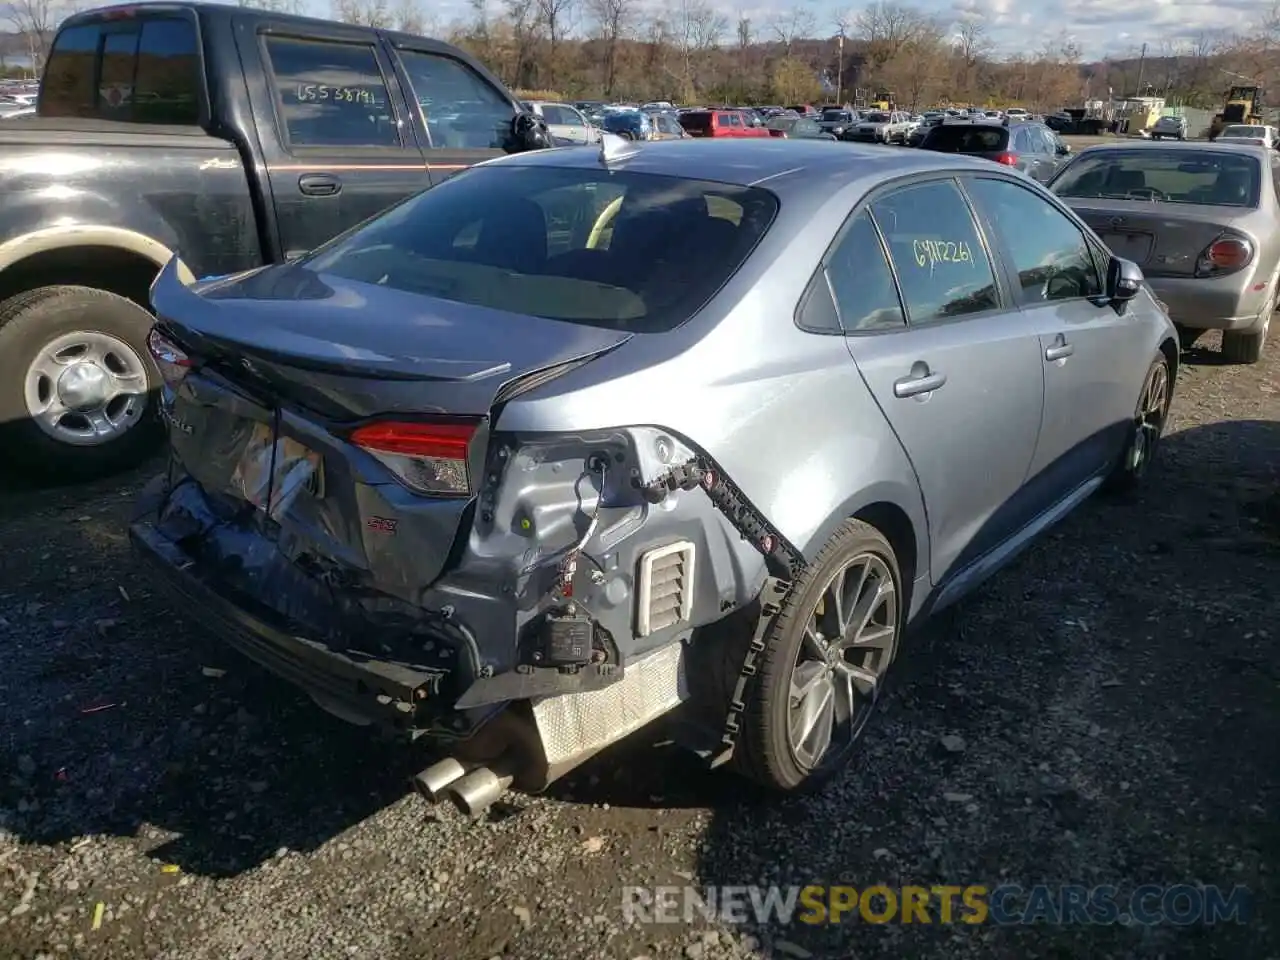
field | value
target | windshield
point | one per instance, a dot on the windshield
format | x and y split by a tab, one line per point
834	116
1208	177
626	251
1257	133
877	118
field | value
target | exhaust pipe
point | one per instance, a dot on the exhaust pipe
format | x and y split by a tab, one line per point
474	793
436	779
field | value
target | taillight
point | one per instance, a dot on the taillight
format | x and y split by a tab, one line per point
1008	158
1224	255
427	458
171	360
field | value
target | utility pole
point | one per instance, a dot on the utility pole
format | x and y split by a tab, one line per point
840	68
1142	60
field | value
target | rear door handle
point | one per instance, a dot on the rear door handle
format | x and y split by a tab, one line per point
1059	351
917	384
319	185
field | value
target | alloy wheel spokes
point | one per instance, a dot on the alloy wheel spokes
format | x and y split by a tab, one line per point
848	642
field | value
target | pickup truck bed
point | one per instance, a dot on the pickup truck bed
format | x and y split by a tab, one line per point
231	148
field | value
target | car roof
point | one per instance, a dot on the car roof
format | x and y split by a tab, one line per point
791	167
1186	146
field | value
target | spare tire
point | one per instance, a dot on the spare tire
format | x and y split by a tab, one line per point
78	387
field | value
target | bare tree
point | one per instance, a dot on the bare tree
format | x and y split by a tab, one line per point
556	16
972	47
366	13
411	17
885	29
526	32
696	27
791	25
274	6
34	21
613	20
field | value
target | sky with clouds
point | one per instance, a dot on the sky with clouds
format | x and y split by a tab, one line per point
1100	28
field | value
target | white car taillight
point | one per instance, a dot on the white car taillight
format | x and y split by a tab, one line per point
1224	255
428	458
171	360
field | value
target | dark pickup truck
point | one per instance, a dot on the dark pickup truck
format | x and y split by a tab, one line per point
230	137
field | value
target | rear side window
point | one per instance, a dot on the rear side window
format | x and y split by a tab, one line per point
958	138
145	70
626	251
459	108
933	241
866	296
331	94
1227	178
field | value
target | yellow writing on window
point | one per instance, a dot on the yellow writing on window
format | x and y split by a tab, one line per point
320	93
930	253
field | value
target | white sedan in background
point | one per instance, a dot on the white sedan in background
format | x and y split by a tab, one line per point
565	122
1250	133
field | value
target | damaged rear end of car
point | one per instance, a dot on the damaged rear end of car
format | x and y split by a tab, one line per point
343	505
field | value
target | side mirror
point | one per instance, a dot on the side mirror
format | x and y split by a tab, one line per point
1124	280
528	132
1064	149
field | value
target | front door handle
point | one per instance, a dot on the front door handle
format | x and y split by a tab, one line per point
1059	351
319	185
918	382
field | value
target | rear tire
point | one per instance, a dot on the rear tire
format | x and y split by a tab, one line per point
1245	347
766	752
52	327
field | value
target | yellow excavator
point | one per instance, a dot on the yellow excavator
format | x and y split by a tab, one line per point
1242	105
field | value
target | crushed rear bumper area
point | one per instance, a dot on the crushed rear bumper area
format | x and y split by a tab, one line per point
357	687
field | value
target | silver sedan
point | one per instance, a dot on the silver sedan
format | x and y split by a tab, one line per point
579	436
1203	222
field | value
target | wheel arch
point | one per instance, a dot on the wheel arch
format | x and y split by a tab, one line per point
113	259
897	512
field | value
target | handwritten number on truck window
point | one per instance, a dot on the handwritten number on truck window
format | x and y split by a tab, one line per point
313	92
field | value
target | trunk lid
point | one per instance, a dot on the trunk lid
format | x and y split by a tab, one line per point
288	354
1164	239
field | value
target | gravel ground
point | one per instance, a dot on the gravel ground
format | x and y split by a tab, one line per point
1104	712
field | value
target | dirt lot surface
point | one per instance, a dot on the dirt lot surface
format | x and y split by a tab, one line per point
1104	712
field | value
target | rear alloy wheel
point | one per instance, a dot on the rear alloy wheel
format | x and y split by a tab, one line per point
1149	420
77	385
824	665
1247	347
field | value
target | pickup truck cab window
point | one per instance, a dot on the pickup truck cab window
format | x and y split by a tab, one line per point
460	110
331	94
138	70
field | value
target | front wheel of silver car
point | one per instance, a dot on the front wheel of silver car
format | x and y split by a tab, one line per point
1147	427
824	664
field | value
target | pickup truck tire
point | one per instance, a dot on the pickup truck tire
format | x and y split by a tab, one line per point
857	562
51	329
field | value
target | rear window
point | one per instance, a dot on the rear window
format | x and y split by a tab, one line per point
877	118
695	121
1256	133
835	116
1206	177
626	251
957	138
141	70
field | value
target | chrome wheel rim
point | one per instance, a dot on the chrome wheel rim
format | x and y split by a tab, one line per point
849	641
86	388
1153	406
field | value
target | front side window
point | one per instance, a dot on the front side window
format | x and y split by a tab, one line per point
942	268
459	108
1207	177
865	294
332	94
1048	251
622	250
